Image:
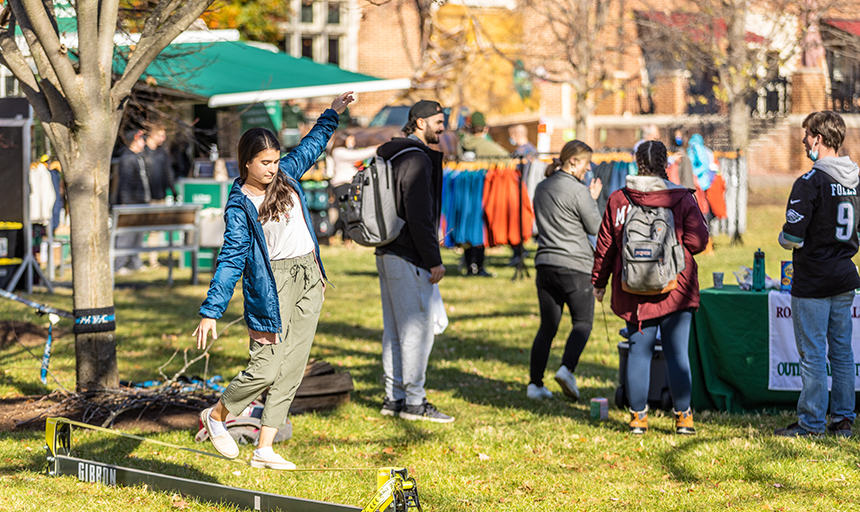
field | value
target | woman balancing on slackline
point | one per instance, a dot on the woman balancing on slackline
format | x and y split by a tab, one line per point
269	241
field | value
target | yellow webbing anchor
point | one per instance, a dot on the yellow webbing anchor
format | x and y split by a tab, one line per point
396	492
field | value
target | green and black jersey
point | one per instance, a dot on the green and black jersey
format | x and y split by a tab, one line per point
823	212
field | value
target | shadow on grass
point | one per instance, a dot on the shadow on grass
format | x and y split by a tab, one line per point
680	461
23	387
469	384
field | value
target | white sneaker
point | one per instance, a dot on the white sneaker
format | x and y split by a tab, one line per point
538	393
270	461
567	382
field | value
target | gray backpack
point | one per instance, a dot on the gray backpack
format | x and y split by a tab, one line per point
369	209
651	257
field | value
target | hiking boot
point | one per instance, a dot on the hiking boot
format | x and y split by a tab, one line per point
840	428
795	430
567	382
392	407
638	422
536	392
684	422
223	442
270	460
426	412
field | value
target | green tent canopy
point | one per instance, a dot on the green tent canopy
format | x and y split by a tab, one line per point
236	73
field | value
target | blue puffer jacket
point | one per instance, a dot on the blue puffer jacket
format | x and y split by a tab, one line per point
244	252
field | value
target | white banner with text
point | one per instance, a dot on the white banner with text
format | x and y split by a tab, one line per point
784	368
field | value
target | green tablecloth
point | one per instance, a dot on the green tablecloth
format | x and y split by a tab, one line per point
729	353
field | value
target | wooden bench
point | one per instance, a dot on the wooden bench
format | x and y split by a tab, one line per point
146	218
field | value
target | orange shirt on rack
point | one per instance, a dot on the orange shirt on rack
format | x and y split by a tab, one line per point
502	192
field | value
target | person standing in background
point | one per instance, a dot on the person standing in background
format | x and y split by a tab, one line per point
527	152
820	229
649	132
133	188
685	169
672	311
160	172
566	213
159	165
410	267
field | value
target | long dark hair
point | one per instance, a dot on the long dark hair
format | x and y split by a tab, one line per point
573	149
279	198
651	159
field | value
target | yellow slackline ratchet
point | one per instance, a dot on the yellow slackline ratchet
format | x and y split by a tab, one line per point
396	491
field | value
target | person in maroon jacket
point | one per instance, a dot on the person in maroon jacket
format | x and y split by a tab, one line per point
672	312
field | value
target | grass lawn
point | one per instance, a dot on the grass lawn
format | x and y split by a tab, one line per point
504	452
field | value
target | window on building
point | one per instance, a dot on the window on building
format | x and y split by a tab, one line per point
333	13
308	47
11	86
307	11
334	51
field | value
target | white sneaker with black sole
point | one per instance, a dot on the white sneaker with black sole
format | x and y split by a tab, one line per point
567	382
424	412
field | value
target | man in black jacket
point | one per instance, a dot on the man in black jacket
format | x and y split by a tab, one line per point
133	188
411	266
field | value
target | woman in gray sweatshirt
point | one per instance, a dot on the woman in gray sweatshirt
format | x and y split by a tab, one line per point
566	213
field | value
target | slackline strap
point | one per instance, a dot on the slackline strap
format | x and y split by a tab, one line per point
192	450
94	320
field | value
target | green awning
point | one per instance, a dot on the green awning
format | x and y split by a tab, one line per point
236	73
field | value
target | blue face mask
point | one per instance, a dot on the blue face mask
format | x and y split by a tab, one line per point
679	141
812	154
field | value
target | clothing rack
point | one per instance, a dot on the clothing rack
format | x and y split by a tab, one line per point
519	162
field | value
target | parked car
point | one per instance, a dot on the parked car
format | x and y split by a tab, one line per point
384	126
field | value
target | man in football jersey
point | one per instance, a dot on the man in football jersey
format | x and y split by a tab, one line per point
821	229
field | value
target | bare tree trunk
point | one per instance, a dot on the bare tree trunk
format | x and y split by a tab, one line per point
739	134
582	111
88	180
739	127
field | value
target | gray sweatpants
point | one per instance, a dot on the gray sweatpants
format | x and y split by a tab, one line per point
407	338
282	365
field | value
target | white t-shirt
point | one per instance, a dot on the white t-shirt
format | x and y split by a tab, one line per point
287	237
343	163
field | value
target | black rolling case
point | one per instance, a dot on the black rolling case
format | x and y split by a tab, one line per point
658	390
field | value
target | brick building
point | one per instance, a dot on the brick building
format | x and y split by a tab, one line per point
384	39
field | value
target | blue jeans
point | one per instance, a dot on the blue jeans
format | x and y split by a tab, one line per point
820	324
675	333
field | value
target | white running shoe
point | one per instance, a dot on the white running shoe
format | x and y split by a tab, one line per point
567	382
538	393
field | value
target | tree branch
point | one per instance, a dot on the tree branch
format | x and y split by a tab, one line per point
107	28
150	45
34	19
88	39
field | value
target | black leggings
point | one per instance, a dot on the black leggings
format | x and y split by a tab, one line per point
557	286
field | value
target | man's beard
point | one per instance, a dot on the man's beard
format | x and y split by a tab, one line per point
432	137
